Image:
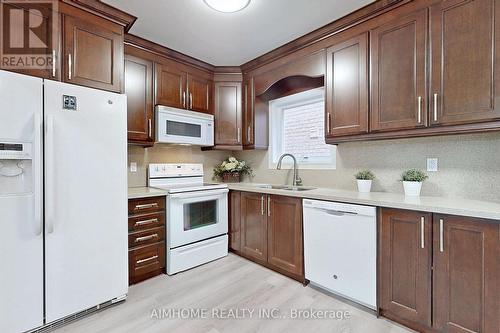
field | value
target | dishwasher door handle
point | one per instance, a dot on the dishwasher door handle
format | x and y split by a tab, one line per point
334	212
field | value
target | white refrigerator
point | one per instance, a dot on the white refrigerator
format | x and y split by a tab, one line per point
63	200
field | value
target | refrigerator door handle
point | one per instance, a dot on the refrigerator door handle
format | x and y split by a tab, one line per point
50	172
37	179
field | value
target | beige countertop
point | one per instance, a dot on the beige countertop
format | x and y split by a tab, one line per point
144	192
452	206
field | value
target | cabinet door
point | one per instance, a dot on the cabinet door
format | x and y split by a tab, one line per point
398	79
405	253
248	112
285	241
466	274
199	89
465	61
170	84
93	53
228	113
347	87
45	36
139	90
235	221
254	226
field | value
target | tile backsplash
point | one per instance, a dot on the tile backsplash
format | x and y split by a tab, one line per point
469	165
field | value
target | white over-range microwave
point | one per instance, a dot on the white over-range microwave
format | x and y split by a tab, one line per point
177	126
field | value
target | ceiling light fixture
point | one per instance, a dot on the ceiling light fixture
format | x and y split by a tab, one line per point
227	6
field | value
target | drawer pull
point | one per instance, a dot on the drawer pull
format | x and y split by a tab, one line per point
145	222
147	259
145	238
146	206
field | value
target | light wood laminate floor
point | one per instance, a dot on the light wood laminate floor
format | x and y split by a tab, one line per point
226	285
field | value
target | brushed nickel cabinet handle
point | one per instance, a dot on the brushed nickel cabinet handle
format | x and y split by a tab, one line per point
268	206
248	133
70	65
53	63
145	222
262	205
441	235
190	101
147	259
146	206
419	109
328	121
150	127
436	107
422	232
145	238
184	99
239	135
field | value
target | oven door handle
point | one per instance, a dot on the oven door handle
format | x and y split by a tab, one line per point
198	194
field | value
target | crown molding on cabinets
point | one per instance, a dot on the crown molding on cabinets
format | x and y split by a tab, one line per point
163	51
361	15
106	11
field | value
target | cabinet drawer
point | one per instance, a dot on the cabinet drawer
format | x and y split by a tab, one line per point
146	260
147	237
146	205
148	221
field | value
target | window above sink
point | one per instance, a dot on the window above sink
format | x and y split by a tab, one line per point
297	126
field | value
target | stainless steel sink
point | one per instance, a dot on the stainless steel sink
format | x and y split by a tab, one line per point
286	187
299	188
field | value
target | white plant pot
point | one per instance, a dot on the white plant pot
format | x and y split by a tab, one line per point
412	189
364	186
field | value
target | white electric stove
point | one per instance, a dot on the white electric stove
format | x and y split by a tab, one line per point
197	215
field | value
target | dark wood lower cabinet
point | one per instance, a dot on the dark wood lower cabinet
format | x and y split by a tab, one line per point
253	226
285	246
405	254
450	264
146	239
267	229
466	275
235	221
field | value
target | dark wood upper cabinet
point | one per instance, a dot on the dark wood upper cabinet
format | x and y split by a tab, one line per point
405	254
235	221
199	89
465	55
254	226
285	240
228	113
248	112
347	87
398	73
93	53
466	274
140	108
170	83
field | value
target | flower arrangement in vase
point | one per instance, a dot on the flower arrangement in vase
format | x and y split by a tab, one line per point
231	170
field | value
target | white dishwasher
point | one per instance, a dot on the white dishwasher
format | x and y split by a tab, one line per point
340	249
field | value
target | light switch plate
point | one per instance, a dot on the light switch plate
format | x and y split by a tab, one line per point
432	164
133	167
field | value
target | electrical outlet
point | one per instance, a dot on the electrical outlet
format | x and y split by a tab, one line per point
432	164
133	167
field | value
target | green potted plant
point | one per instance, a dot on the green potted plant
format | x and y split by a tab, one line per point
364	179
231	170
412	181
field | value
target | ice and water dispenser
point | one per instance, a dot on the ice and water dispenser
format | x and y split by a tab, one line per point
16	167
